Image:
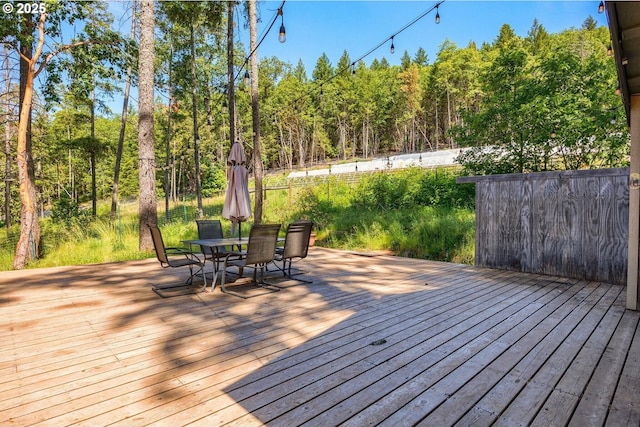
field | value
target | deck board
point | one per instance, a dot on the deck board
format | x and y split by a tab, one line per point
375	340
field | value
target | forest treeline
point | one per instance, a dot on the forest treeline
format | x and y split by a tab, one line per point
521	103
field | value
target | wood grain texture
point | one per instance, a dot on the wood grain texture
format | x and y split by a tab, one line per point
374	340
570	223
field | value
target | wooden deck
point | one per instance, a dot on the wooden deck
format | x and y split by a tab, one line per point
375	340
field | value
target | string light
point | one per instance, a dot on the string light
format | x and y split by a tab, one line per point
618	90
393	48
601	7
282	36
609	50
246	78
352	65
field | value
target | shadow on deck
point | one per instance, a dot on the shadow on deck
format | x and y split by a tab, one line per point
375	340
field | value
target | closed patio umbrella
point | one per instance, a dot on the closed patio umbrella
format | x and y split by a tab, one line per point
237	204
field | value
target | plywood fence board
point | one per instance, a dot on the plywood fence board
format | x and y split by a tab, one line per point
568	223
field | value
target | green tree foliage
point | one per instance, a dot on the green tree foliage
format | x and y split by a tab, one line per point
547	104
534	102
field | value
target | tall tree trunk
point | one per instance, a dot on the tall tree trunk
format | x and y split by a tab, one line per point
93	148
7	142
343	139
230	76
147	208
437	133
194	113
167	147
255	111
27	248
302	144
123	123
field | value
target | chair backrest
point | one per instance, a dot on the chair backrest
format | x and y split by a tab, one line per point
296	242
261	247
158	244
209	229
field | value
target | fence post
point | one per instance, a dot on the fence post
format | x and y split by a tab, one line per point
329	184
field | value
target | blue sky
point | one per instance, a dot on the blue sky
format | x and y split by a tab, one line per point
357	26
333	26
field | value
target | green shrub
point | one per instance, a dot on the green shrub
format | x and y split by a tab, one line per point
411	188
415	212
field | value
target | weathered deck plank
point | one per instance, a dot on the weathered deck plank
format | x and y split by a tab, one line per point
373	341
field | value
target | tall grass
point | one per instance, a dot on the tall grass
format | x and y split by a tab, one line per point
415	213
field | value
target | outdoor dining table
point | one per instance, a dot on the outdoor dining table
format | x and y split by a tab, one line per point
221	243
216	245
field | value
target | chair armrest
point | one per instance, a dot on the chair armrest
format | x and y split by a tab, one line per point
183	251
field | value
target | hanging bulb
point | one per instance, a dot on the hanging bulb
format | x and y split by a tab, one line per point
246	77
613	119
437	15
609	50
553	133
282	35
225	107
601	7
618	90
393	48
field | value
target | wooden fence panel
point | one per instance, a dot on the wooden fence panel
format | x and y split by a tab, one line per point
571	223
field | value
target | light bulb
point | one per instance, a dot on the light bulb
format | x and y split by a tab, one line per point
601	7
393	48
282	35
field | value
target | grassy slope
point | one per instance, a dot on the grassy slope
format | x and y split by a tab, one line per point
413	213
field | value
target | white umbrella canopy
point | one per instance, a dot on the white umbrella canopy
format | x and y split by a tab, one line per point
237	204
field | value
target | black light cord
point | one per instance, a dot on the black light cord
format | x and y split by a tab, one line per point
369	52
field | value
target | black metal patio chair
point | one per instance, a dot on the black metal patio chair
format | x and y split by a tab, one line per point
212	229
173	257
260	251
296	247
